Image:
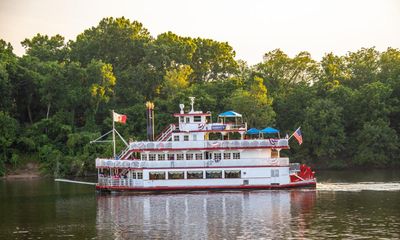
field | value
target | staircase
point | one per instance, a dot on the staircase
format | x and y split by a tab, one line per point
166	133
125	154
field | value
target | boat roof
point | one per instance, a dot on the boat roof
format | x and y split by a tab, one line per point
253	131
230	114
269	130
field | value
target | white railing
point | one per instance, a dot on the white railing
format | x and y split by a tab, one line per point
166	133
125	154
226	126
113	182
210	144
109	163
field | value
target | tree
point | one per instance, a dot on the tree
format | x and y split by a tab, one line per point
323	129
377	145
102	81
282	73
333	72
118	41
363	67
8	68
46	48
376	97
212	61
254	104
8	129
169	51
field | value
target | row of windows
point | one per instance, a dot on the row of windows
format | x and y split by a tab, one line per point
189	156
185	138
137	175
161	175
195	119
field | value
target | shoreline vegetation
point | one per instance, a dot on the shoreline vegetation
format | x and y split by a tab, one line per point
59	95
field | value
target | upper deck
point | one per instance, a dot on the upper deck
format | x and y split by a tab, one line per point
211	144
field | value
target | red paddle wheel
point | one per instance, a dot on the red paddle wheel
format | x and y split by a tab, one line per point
305	173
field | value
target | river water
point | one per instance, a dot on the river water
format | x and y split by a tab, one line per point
346	204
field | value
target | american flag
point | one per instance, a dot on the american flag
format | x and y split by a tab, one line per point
298	136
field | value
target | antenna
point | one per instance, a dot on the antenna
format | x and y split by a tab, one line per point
192	103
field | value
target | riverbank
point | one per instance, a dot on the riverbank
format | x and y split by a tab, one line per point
29	170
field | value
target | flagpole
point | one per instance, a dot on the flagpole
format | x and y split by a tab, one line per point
113	131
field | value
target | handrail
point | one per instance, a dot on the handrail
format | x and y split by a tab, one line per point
166	133
122	155
162	132
211	144
110	163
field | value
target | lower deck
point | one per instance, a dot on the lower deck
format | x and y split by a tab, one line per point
121	187
196	179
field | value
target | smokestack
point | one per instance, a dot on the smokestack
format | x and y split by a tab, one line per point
150	121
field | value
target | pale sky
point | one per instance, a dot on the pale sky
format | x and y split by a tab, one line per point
251	27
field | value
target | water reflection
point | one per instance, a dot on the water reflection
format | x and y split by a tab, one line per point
247	215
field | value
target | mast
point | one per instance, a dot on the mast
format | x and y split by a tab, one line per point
113	132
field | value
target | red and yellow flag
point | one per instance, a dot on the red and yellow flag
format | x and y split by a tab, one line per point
120	118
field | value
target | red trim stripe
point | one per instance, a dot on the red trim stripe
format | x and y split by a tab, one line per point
205	149
191	114
205	188
260	166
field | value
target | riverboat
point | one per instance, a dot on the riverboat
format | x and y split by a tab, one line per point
197	154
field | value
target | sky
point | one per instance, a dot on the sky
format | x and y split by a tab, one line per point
251	27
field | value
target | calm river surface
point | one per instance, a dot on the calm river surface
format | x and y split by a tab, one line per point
345	205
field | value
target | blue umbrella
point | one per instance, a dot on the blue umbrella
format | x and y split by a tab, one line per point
230	114
269	130
253	131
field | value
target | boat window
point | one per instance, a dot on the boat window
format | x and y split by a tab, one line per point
187	119
182	119
179	156
227	155
161	157
171	156
176	138
217	156
186	138
194	174
133	174
199	156
139	175
152	157
144	156
156	175
194	137
197	119
232	173
236	155
189	156
274	172
176	175
214	174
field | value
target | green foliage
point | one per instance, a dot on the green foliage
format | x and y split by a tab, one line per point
58	96
324	129
8	136
378	145
46	48
254	104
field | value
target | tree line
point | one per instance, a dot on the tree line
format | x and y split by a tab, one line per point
58	96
